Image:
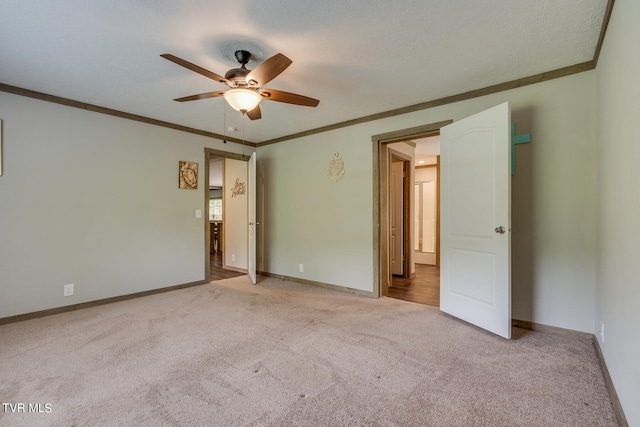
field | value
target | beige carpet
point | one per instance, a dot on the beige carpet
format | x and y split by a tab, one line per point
284	354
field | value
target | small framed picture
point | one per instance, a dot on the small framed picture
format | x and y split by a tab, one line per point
188	175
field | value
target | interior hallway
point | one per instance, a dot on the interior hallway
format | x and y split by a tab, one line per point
216	272
424	288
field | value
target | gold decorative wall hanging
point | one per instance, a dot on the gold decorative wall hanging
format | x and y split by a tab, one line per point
188	175
336	167
238	189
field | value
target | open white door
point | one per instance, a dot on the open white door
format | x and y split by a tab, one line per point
251	205
475	272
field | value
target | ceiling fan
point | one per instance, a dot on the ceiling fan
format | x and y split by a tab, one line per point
247	85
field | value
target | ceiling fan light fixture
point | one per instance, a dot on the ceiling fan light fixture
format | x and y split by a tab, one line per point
243	100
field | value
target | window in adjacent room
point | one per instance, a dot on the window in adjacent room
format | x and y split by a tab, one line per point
215	209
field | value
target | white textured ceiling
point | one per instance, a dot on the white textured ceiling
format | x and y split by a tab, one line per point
358	57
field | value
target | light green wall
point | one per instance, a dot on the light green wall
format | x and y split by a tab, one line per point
618	285
309	219
328	226
93	200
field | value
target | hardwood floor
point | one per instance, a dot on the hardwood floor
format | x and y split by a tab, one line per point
216	272
423	289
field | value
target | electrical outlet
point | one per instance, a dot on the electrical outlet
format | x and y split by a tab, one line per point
602	331
68	290
301	268
233	257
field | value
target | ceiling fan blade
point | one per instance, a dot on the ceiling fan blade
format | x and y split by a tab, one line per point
200	96
268	70
196	68
289	98
255	114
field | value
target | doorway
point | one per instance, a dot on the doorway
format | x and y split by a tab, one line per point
423	286
475	282
217	268
419	279
218	233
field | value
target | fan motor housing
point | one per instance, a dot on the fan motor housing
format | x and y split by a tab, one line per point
237	75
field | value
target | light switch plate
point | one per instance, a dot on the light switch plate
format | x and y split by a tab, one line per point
198	213
68	290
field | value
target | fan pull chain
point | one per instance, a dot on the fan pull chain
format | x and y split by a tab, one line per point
224	122
243	135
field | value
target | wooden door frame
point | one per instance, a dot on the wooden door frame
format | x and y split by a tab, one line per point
407	247
380	199
210	153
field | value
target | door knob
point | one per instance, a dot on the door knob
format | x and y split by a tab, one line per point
500	230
